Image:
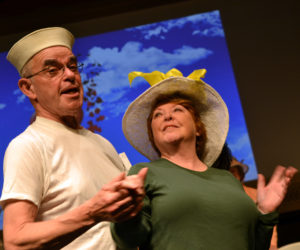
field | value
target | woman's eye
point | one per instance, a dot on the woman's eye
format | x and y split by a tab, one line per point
157	114
177	109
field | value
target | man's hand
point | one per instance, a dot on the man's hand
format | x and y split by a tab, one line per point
135	185
119	200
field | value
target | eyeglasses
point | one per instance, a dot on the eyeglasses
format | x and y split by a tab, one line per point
52	71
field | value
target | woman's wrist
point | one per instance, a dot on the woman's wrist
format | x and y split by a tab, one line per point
262	209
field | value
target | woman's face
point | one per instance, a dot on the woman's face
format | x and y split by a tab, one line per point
172	123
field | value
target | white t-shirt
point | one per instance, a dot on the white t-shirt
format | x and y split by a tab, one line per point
58	168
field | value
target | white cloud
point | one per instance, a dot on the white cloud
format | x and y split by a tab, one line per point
116	109
240	143
112	82
157	31
20	96
212	18
17	92
211	32
2	105
205	24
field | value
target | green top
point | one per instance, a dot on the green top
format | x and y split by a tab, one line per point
187	210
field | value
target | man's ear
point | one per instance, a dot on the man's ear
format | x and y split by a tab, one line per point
27	88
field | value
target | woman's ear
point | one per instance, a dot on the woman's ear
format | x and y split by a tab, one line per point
27	88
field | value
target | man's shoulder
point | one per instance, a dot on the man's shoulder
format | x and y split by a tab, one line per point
97	137
26	135
27	138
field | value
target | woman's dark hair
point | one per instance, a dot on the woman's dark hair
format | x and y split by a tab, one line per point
188	103
224	159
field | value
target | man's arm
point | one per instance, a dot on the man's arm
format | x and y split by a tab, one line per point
116	201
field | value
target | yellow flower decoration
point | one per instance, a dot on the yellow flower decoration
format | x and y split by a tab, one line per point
157	76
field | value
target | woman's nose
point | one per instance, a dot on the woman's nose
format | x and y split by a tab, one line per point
168	116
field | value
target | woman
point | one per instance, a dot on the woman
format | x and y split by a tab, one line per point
181	125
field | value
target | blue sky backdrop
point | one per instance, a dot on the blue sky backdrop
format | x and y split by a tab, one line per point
186	43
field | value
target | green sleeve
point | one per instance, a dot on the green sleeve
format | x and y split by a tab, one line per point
264	230
134	232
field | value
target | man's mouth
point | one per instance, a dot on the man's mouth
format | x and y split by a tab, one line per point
72	90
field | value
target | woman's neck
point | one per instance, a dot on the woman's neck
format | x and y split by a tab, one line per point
186	159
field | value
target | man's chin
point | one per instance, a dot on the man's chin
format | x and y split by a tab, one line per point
73	118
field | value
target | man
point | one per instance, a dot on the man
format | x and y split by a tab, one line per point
62	183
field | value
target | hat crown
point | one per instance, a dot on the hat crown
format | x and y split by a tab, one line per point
24	49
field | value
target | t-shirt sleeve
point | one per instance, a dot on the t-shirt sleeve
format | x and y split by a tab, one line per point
110	152
264	230
23	172
134	232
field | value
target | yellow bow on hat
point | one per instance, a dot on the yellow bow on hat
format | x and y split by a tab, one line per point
157	76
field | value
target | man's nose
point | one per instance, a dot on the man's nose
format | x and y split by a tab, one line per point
69	74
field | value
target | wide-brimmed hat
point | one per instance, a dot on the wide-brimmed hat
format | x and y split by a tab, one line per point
23	50
211	107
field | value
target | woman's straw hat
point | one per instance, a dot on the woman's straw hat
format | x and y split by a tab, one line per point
213	111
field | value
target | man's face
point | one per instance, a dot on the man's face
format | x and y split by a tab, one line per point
56	95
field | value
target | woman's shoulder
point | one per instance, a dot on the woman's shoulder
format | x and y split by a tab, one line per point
223	174
220	171
137	167
157	164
